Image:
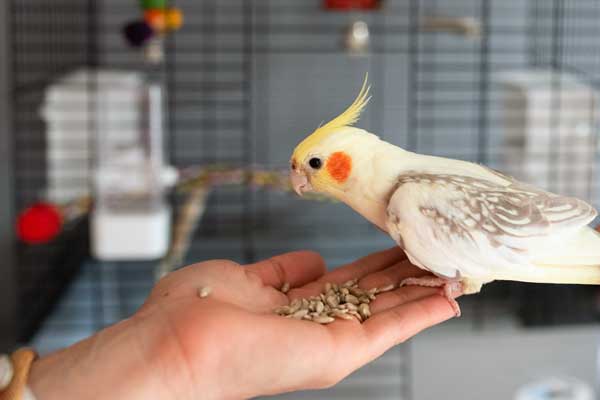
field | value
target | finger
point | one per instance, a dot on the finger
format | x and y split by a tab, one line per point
394	326
355	270
296	268
403	295
391	276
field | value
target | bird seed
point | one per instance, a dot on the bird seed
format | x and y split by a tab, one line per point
204	291
346	301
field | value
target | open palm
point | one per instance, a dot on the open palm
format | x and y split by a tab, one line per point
231	345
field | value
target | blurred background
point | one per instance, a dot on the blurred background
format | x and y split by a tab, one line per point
138	136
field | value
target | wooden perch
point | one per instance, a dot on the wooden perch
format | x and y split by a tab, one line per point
466	26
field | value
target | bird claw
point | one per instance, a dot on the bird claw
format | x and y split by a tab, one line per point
450	289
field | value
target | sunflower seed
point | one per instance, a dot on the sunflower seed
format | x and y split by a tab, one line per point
364	299
327	287
319	307
300	314
204	291
338	313
357	292
342	315
351	307
349	283
351	299
285	288
347	317
357	315
304	303
295	305
282	310
364	311
323	319
344	291
333	301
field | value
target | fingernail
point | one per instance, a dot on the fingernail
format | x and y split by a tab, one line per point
6	371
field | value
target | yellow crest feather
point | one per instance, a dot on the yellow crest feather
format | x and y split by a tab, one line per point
349	117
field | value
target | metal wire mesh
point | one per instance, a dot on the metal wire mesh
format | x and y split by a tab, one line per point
248	79
48	39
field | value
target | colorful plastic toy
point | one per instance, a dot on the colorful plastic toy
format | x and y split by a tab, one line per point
174	19
39	223
138	33
158	20
147	4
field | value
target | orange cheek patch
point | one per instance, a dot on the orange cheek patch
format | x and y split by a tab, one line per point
339	166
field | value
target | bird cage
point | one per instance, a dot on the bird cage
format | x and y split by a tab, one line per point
245	80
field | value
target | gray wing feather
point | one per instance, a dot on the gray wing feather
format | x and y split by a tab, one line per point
559	211
515	211
455	225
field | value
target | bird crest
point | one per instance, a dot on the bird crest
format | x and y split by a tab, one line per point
347	118
351	115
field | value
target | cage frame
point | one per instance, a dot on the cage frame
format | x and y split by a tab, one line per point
8	311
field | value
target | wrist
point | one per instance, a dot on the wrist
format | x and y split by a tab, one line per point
110	364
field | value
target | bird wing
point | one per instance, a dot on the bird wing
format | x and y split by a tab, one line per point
455	225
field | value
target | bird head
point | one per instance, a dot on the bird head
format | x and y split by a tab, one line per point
324	161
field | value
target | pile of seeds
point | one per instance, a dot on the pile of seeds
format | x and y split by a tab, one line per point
346	301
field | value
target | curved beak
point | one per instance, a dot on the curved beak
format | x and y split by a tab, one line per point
299	181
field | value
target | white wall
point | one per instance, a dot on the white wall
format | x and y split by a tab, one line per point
492	365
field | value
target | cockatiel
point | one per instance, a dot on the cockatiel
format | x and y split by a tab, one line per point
465	223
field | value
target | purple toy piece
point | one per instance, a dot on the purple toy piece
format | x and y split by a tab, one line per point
137	33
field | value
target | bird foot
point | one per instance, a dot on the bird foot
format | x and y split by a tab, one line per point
450	289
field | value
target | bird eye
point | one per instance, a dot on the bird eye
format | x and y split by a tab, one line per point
315	163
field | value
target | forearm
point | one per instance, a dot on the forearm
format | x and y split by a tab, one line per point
110	364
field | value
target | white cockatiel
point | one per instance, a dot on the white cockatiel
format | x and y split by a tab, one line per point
465	223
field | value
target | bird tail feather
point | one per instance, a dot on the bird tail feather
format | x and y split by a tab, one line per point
565	274
569	259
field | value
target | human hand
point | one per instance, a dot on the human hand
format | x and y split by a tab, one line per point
230	345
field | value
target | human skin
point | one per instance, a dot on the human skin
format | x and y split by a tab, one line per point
230	345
